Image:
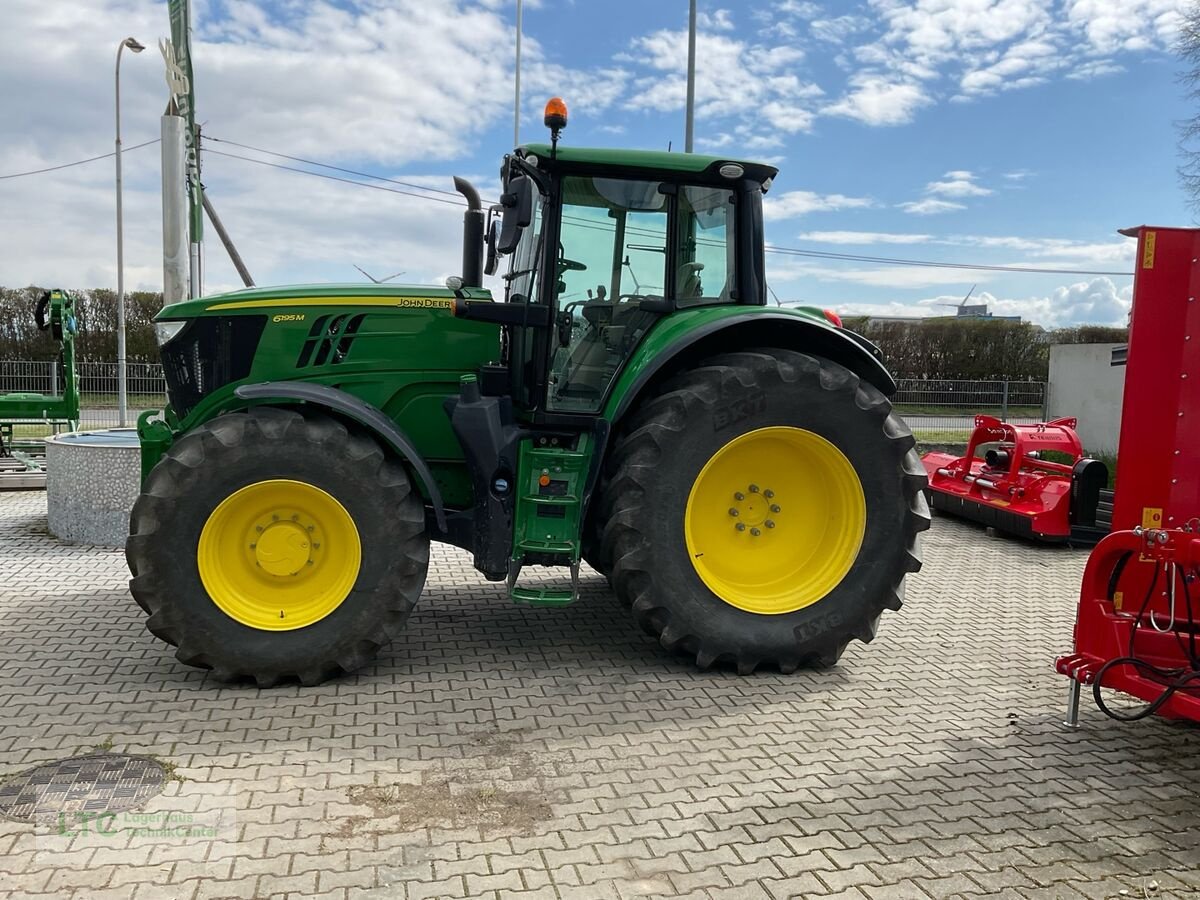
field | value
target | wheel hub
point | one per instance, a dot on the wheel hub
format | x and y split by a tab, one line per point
775	520
279	555
283	548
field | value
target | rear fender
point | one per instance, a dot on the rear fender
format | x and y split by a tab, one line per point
360	412
657	360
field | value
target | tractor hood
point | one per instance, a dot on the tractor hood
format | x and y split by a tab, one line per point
302	295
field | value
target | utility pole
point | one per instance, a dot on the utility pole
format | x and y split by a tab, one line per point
517	85
689	127
122	392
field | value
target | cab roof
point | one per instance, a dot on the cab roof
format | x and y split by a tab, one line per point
657	160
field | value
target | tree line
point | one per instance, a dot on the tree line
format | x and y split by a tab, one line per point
976	349
938	348
96	318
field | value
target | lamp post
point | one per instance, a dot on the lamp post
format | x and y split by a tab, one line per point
517	84
690	115
122	392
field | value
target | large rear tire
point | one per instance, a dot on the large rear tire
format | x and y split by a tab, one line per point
762	509
275	545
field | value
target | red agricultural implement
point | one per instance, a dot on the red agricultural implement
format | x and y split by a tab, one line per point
1136	629
1011	486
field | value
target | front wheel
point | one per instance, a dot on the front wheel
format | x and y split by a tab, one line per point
763	509
275	545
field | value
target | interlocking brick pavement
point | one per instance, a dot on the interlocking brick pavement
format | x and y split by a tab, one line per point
497	751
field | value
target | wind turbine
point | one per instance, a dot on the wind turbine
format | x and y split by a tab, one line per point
960	304
373	278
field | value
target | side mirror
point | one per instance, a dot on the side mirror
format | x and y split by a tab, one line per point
493	257
517	202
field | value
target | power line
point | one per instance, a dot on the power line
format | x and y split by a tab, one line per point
927	263
374	187
312	162
78	162
770	248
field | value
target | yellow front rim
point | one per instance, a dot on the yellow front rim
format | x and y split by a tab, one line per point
775	520
279	555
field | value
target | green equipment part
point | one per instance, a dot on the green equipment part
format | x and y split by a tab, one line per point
735	470
55	313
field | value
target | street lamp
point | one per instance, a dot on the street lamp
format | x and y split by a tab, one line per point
122	393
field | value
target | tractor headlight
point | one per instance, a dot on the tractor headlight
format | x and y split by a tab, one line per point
165	332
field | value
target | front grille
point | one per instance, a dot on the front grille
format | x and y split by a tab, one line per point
211	352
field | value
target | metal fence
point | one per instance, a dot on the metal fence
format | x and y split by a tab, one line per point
943	411
938	411
97	389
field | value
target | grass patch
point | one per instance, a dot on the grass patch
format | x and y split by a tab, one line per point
919	409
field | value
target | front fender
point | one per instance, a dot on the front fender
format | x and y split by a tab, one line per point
359	411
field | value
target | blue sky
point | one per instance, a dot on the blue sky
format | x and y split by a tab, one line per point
1003	132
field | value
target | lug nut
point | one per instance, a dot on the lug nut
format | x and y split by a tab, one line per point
741	526
754	532
732	511
768	493
769	523
739	496
754	488
775	507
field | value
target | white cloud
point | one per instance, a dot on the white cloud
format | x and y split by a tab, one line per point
837	30
1095	302
756	86
1044	252
877	100
1111	26
957	184
930	206
799	203
863	238
399	87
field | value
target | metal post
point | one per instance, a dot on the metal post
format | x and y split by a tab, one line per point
689	125
122	394
517	83
1004	403
228	242
174	210
54	377
1073	690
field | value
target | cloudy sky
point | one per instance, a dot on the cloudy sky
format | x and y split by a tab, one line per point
998	132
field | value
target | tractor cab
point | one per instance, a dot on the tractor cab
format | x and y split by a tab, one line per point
601	244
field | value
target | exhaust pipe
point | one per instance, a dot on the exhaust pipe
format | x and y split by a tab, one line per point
472	254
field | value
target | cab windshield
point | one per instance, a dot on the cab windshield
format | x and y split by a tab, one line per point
625	247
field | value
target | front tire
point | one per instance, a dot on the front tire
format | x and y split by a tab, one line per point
715	568
275	545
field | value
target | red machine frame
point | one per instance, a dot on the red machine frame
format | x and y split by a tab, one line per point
1013	489
1136	630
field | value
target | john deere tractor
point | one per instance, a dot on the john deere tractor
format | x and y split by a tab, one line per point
734	469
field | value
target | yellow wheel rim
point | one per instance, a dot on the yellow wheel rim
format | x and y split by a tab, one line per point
775	520
279	555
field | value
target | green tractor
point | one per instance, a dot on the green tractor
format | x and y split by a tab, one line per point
734	470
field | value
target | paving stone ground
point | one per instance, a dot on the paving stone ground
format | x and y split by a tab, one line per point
498	751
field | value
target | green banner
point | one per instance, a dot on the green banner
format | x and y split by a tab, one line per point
183	92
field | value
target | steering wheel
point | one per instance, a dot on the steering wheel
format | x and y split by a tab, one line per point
568	265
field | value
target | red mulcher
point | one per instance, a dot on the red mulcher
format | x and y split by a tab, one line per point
1013	489
1136	629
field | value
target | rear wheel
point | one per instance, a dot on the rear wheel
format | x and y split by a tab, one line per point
275	545
762	509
